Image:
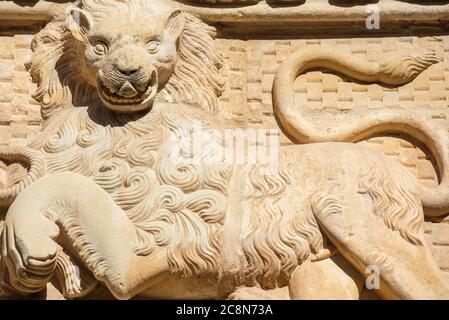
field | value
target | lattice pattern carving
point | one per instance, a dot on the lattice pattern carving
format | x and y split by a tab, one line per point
250	67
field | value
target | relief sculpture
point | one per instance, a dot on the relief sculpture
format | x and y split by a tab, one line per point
101	199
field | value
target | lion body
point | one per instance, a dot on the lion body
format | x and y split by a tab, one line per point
260	226
271	229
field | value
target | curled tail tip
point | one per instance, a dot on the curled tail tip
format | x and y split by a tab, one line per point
430	55
424	60
403	69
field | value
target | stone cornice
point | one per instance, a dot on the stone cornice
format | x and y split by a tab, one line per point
263	16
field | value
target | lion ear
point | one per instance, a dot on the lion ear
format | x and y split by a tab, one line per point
175	24
79	22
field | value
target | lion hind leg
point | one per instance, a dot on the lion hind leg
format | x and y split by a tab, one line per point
372	246
328	279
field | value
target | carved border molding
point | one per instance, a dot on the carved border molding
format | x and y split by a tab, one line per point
396	16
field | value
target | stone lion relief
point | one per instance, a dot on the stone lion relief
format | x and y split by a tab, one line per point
98	200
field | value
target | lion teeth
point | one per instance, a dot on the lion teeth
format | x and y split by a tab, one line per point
111	95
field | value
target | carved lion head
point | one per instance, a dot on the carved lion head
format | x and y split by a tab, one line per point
124	55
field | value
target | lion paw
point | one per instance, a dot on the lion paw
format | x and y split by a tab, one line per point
30	257
256	293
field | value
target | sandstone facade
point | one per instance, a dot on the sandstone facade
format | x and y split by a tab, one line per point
91	105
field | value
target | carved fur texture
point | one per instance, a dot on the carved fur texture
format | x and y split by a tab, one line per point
174	206
183	206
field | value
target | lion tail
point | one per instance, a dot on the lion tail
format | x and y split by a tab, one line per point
20	167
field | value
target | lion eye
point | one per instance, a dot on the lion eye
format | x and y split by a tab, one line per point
100	48
153	46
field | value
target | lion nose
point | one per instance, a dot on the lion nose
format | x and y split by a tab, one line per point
126	71
127	90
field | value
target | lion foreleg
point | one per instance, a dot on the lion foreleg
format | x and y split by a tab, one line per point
97	230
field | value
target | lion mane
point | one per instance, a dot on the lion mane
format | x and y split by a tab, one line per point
179	206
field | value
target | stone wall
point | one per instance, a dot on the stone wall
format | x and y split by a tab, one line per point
249	70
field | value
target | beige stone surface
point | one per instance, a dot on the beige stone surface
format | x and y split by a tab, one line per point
88	137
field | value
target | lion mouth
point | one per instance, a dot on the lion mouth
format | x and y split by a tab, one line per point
142	97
